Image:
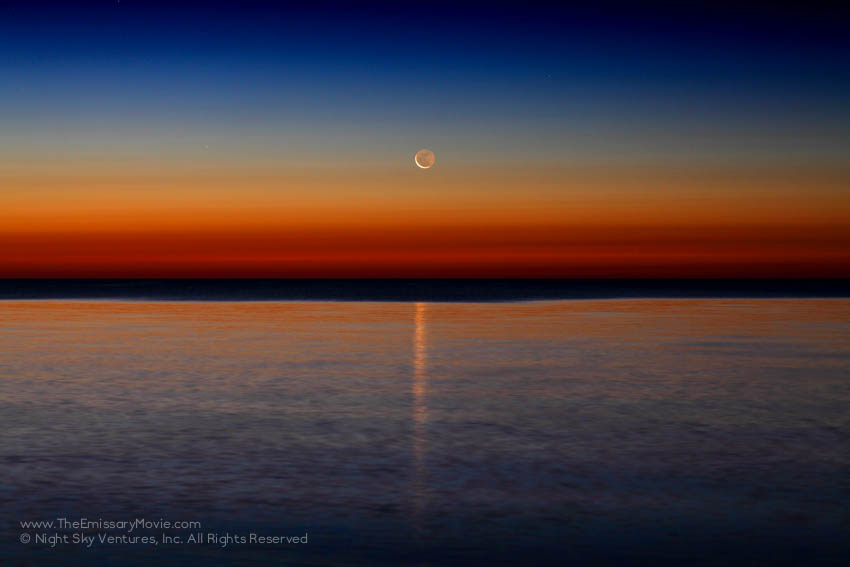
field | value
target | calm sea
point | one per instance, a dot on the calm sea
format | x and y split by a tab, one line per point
627	432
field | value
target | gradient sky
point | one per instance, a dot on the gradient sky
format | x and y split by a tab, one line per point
249	139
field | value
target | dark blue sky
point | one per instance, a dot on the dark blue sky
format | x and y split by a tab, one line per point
527	84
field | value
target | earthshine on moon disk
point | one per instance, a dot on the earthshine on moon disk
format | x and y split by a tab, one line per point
424	158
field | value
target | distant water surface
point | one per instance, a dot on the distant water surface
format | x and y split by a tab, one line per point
629	432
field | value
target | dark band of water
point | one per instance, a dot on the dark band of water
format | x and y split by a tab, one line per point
415	289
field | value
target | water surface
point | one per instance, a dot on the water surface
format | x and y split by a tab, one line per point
553	432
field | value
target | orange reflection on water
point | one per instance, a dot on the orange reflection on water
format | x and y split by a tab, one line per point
419	361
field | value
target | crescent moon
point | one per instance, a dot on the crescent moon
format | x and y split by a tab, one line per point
424	159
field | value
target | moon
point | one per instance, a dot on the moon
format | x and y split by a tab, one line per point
424	158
